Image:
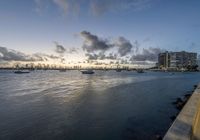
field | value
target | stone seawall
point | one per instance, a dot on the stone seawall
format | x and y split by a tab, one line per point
187	124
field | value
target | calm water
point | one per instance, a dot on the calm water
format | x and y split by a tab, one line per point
105	106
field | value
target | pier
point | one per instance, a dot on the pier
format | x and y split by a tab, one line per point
187	124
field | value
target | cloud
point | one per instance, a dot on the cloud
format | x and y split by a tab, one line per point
124	46
101	56
72	50
93	43
59	48
63	4
150	54
69	6
46	56
94	7
100	7
91	56
12	55
126	52
99	49
112	56
136	46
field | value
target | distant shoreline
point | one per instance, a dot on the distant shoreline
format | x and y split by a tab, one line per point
104	69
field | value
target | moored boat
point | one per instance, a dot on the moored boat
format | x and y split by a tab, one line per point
87	71
21	71
140	71
62	70
118	70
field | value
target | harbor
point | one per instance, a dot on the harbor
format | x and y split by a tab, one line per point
105	105
99	70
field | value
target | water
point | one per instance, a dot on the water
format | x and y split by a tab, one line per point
108	105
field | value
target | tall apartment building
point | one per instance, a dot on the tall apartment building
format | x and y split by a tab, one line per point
177	60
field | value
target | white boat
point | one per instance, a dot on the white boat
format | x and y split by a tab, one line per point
87	71
21	71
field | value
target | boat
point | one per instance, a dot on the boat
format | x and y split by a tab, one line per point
118	70
62	70
21	71
87	71
140	70
172	73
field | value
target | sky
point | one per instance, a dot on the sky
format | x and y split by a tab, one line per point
69	31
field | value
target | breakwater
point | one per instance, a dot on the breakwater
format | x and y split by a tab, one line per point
186	125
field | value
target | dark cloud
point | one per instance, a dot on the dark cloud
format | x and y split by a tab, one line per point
150	54
101	56
91	56
12	55
112	56
124	46
93	43
59	48
96	48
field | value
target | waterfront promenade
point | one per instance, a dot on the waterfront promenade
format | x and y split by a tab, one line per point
187	124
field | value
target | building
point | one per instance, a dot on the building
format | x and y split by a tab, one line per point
163	60
177	60
198	63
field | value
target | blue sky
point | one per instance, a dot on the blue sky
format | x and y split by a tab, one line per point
32	26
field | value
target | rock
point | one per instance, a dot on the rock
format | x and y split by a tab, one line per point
177	101
173	118
187	95
158	137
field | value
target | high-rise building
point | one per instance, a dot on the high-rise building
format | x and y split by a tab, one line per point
177	60
163	60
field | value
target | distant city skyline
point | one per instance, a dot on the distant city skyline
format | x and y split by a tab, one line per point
77	31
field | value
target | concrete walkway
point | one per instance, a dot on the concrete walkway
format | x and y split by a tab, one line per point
196	127
187	124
